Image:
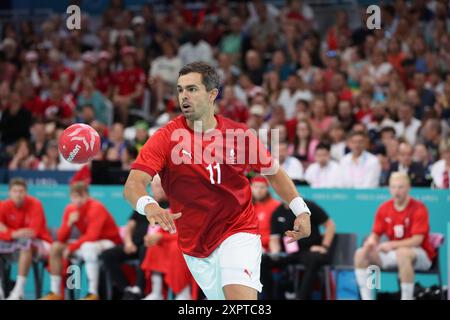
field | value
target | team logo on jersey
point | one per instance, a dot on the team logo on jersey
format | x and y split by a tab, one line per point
248	273
186	153
232	157
399	231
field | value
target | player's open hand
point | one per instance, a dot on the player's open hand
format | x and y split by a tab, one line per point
302	228
157	215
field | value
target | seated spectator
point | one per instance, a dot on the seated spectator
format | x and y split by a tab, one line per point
90	96
141	135
304	143
98	232
293	92
324	172
421	156
264	205
22	157
115	145
338	143
39	139
231	107
196	49
345	115
359	168
312	252
431	137
320	121
291	165
440	170
163	258
405	222
50	160
407	127
128	85
415	170
57	107
22	217
15	121
163	73
86	114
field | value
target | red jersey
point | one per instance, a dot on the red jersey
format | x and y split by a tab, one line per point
30	215
264	212
399	225
214	197
103	83
94	223
127	80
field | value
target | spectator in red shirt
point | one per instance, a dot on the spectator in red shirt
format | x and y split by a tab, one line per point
104	78
231	107
22	218
57	106
264	205
128	84
404	220
98	232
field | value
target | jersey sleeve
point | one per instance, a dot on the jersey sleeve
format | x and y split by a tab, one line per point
379	226
420	221
154	154
7	234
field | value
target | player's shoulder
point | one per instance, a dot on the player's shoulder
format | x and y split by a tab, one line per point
386	207
228	123
418	204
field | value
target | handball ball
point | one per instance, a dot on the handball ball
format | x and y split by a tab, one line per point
79	143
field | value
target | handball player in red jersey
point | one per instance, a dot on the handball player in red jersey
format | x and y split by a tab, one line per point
202	159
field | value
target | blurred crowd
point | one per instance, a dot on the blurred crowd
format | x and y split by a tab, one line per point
352	105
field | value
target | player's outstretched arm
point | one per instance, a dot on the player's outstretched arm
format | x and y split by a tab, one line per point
285	188
135	192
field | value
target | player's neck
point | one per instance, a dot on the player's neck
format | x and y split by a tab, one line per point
207	123
401	205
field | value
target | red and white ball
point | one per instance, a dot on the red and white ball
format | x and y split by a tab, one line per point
79	143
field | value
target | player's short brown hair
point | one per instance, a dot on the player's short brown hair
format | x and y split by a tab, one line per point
80	188
17	182
210	77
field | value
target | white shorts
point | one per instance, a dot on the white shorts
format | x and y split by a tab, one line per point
422	263
42	248
236	261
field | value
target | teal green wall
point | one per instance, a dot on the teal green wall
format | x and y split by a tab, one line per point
352	211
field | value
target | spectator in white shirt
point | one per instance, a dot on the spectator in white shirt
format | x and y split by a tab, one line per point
440	171
196	49
338	145
407	127
359	168
291	165
291	94
324	172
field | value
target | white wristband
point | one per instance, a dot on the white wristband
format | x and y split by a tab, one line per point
143	202
298	206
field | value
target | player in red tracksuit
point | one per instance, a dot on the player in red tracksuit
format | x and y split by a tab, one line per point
164	258
203	175
264	205
405	222
98	232
22	217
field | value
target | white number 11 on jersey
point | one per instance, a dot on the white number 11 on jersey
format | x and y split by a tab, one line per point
211	168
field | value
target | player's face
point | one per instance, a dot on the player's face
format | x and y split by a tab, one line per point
399	189
17	194
195	102
77	199
259	190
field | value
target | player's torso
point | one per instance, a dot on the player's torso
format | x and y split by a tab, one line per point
399	223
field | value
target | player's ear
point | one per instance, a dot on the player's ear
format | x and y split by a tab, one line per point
213	94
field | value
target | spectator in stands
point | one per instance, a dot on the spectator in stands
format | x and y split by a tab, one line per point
50	160
163	73
404	220
359	168
116	144
345	115
196	49
304	143
164	259
415	170
22	158
98	232
320	121
15	121
91	96
440	170
264	205
407	127
426	96
141	135
104	77
324	172
312	252
293	92
254	67
290	164
128	84
22	218
231	107
338	143
39	139
431	137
